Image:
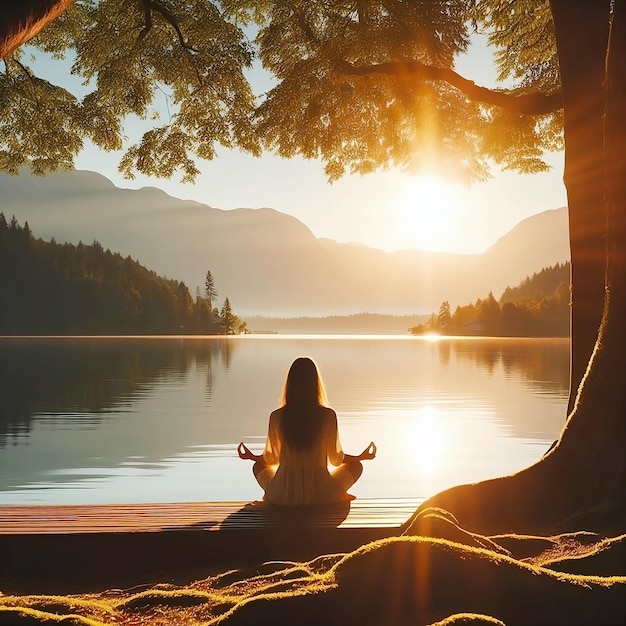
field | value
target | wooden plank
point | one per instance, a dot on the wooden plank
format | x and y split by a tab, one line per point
69	549
208	516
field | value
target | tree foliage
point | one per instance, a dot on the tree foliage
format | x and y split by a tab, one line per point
128	52
210	290
546	281
229	322
370	84
358	85
445	316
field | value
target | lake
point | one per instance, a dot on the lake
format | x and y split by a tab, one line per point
156	419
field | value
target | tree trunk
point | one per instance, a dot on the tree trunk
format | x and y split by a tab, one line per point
590	459
581	482
581	34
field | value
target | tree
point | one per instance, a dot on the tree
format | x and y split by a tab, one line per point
463	315
488	314
444	314
370	84
202	316
230	322
513	322
184	305
583	478
209	289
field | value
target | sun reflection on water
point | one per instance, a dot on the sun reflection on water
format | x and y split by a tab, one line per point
428	441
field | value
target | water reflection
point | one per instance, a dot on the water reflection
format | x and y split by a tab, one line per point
427	440
543	366
157	419
542	363
81	380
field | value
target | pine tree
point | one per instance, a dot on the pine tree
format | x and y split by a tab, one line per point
209	289
228	318
443	320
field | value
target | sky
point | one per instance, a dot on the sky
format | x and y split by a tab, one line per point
388	210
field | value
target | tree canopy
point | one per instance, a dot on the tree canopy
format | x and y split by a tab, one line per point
359	85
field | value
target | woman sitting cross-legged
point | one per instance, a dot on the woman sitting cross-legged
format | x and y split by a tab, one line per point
302	439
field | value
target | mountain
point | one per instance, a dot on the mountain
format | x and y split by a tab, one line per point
267	262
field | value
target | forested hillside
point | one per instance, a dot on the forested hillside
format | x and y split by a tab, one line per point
545	282
50	288
538	307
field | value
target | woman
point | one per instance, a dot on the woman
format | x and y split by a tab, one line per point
302	439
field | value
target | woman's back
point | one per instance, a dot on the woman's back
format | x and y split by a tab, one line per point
325	448
302	476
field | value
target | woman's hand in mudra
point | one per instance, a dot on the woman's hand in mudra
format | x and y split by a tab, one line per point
245	453
369	453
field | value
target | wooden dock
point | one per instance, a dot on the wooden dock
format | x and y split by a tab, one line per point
160	517
95	545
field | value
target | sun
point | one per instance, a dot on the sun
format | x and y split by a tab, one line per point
423	214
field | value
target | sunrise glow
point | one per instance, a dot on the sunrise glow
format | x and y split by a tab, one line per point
422	213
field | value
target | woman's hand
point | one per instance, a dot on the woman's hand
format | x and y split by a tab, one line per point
369	453
245	453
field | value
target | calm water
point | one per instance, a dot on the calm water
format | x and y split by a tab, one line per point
158	419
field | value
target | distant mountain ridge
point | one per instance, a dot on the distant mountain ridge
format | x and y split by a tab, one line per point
270	263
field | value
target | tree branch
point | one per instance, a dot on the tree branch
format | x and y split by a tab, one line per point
21	21
147	15
171	19
527	104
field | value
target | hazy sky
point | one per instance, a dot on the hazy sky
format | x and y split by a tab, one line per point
387	210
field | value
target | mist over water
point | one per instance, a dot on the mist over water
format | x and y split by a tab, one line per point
96	420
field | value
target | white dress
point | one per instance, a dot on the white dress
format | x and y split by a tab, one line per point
298	478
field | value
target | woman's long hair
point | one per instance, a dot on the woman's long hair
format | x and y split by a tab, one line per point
302	395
